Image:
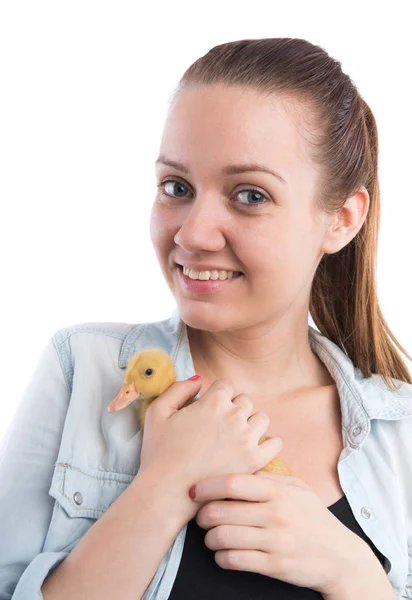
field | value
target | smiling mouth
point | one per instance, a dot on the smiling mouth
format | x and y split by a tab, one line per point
235	275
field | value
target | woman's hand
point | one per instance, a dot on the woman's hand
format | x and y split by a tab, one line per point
218	433
277	526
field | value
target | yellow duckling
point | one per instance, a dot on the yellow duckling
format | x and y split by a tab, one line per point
148	374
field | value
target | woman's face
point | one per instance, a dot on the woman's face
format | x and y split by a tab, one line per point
253	222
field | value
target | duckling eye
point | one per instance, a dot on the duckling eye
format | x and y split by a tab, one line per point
148	372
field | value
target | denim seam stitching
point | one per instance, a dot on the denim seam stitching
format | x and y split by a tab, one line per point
99	478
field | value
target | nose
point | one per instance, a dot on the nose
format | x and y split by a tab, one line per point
203	225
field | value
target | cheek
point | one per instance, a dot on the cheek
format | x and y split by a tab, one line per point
282	256
269	249
161	229
155	224
293	258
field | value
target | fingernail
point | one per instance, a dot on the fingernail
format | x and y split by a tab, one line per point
194	378
192	491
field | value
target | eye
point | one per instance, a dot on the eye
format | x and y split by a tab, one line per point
148	372
173	181
178	185
254	192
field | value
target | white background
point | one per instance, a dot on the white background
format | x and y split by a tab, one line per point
84	87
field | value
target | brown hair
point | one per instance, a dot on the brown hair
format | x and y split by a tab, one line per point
343	303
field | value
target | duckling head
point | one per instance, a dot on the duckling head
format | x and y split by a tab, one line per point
148	374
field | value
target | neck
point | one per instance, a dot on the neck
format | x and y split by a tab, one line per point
271	364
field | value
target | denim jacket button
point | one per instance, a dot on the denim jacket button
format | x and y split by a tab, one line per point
78	498
356	430
365	512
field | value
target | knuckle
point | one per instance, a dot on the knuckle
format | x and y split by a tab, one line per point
218	393
218	403
231	483
282	521
238	417
245	402
263	416
282	495
212	512
223	385
250	403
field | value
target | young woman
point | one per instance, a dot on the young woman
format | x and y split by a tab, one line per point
267	211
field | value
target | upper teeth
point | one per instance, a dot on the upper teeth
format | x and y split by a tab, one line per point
205	275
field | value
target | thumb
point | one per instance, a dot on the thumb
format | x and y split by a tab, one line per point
176	396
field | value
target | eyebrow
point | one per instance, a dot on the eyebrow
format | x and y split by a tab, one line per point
229	170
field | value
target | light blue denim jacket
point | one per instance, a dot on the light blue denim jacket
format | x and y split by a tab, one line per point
65	458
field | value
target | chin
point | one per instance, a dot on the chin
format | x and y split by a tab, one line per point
205	316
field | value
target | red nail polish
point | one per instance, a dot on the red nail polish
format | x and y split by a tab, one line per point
194	378
192	491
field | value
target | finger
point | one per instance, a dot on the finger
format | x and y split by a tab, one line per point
260	422
173	398
241	486
270	448
235	512
288	479
244	403
237	537
255	561
220	391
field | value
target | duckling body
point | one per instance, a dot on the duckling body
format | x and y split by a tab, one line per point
148	374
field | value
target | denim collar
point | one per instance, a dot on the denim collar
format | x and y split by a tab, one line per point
362	398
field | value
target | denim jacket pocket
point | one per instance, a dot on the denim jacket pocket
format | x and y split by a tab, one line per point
81	496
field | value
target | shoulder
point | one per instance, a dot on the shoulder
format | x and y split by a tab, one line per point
391	409
107	346
115	330
93	329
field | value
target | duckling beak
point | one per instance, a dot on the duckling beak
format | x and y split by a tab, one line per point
126	395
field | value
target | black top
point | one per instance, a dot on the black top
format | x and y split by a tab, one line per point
199	577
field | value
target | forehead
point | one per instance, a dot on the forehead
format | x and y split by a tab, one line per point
216	124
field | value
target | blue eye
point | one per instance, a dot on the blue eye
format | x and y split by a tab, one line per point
181	185
254	192
181	193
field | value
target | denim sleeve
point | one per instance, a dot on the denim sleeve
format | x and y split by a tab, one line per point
28	453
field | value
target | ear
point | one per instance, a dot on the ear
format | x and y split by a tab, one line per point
342	227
